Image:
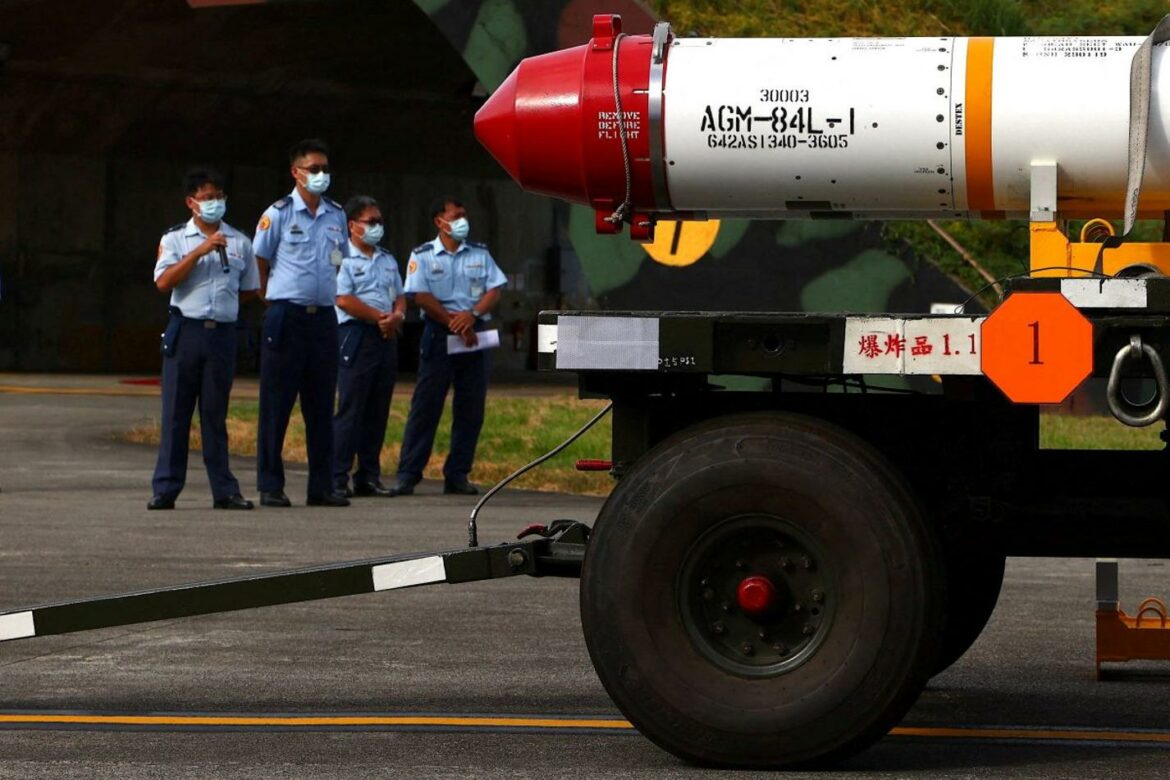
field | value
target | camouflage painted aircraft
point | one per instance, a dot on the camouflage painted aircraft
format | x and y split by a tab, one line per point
733	265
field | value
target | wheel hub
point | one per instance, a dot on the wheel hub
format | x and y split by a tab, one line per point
755	595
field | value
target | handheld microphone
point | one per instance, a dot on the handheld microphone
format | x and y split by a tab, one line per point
223	261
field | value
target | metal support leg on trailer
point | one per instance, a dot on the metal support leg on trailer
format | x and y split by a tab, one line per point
1144	637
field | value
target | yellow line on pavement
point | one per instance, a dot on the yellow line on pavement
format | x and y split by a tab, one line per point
317	720
1055	735
496	722
112	391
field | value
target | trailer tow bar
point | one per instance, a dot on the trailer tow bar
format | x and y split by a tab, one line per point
555	551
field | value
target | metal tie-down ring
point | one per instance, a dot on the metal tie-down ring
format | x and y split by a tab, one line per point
1126	412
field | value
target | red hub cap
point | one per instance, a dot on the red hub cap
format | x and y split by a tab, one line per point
756	594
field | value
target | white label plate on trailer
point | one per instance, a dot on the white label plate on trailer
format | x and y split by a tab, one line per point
607	343
1105	293
926	345
546	338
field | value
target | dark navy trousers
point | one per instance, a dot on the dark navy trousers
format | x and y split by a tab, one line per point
200	371
438	371
298	358
366	374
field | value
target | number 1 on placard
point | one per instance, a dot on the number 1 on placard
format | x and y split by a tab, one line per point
1035	361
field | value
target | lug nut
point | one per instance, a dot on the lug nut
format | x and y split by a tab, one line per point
725	606
807	563
780	648
740	564
785	564
762	634
818	595
747	649
718	629
807	630
797	607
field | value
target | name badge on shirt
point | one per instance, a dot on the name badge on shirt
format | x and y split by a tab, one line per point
335	257
477	288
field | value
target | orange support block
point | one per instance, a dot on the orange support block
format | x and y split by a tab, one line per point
1120	638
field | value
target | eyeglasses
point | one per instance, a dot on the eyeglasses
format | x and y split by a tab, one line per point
208	196
370	221
314	168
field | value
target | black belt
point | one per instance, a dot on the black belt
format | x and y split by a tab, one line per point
312	309
209	324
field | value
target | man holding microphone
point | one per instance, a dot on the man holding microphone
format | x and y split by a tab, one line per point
207	266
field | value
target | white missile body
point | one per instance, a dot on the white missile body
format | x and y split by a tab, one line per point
835	127
905	127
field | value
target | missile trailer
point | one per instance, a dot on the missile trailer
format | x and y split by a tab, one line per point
784	563
779	570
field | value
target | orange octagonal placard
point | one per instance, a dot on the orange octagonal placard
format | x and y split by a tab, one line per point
1037	348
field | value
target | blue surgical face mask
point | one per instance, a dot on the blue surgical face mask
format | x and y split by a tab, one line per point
459	228
373	234
212	211
317	183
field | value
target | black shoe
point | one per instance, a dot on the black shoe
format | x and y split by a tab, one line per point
402	489
375	488
275	498
233	502
329	499
161	502
460	488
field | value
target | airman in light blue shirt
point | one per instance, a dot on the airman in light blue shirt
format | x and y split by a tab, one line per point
458	279
375	281
456	283
211	290
301	250
371	307
299	244
207	267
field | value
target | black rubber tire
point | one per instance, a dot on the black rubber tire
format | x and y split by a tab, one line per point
878	649
974	580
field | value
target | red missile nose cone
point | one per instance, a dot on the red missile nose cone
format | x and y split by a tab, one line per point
495	125
532	124
756	595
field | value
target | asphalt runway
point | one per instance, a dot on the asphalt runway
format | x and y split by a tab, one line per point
488	679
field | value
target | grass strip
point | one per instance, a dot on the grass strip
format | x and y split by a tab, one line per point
518	429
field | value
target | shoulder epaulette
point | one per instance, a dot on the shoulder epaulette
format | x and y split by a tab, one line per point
422	248
332	203
173	228
477	244
282	203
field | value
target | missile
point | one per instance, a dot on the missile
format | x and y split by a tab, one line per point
641	127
